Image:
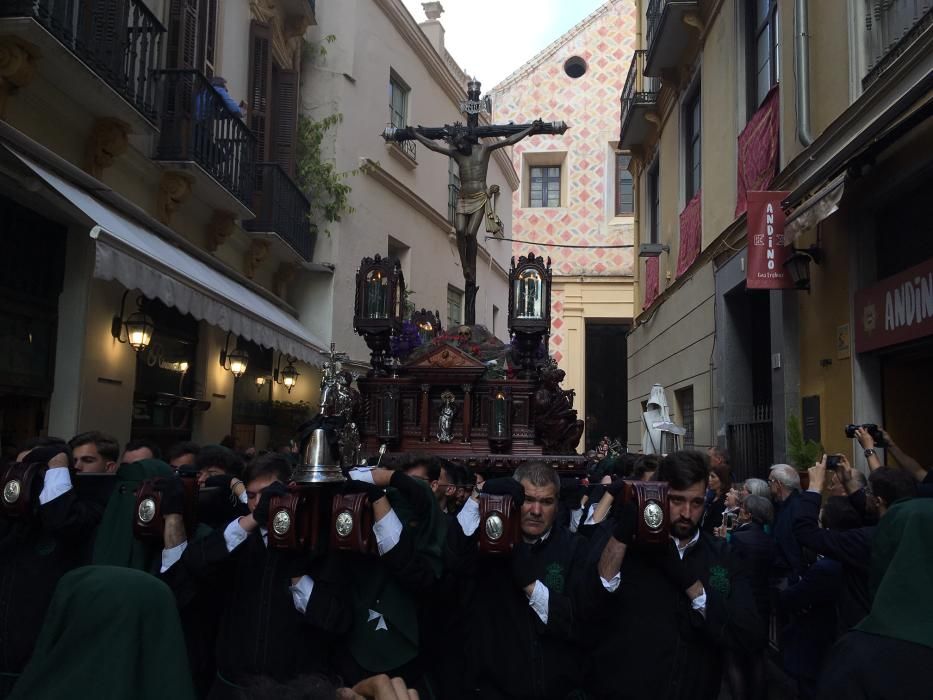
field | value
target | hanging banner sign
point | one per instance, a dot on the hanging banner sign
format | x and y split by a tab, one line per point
766	249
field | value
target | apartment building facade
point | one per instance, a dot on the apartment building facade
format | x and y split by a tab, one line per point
803	98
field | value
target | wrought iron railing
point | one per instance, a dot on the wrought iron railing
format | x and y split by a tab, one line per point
750	440
638	88
120	40
889	28
281	207
409	148
197	125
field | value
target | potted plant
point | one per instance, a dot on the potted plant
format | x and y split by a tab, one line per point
801	453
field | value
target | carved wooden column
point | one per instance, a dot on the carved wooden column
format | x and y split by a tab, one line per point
467	412
425	410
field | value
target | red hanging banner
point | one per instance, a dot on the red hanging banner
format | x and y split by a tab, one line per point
652	281
691	233
766	249
758	150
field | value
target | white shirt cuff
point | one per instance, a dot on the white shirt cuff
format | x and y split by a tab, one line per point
388	530
301	593
362	474
575	516
57	482
468	517
172	555
589	518
234	535
699	603
612	585
538	600
244	499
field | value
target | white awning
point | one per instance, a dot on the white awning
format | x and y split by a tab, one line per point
814	209
140	259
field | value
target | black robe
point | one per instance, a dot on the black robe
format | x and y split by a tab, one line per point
514	654
260	631
35	554
651	641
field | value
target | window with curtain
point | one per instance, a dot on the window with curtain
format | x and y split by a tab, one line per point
763	62
454	307
692	146
545	186
625	195
398	101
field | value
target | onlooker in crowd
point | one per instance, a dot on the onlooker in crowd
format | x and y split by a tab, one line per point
887	655
136	450
718	456
810	605
183	454
720	481
851	548
753	548
674	608
94	452
109	633
784	482
756	487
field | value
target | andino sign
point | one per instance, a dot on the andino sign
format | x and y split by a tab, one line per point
897	309
766	249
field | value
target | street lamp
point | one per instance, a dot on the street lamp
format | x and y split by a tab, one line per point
798	265
136	330
286	376
235	361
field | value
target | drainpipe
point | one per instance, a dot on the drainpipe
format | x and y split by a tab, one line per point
802	61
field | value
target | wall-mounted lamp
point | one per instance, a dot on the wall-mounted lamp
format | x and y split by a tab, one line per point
286	376
652	250
136	330
235	361
798	265
260	383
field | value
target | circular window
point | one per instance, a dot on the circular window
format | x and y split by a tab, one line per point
575	67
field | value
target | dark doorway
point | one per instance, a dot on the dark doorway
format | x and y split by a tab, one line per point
907	379
606	381
746	381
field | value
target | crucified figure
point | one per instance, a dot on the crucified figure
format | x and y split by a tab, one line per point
476	201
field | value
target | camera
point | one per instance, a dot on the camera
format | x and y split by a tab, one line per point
833	461
871	429
729	520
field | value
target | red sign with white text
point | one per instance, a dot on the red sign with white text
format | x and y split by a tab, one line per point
897	309
766	250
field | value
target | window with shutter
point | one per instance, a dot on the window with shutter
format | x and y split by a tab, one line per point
207	36
260	87
183	34
284	118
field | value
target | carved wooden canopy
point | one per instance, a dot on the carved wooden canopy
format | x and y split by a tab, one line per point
446	363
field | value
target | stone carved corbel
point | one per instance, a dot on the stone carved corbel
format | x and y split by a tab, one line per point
174	188
18	60
108	140
283	278
693	19
219	229
258	250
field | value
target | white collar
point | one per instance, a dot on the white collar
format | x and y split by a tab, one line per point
693	541
543	537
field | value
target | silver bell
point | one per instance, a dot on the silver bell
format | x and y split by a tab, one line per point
318	465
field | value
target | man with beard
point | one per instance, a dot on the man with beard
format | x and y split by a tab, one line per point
670	610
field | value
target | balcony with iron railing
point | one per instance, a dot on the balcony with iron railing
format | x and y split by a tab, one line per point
667	32
201	134
639	100
891	28
86	44
282	209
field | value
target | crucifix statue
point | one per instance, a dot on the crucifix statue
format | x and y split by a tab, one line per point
476	200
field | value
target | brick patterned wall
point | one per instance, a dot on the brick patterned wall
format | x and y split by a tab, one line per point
590	106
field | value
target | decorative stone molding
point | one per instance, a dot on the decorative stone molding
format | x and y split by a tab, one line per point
219	229
258	251
287	32
174	188
108	140
284	276
18	60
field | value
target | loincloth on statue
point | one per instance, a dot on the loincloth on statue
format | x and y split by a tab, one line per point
472	203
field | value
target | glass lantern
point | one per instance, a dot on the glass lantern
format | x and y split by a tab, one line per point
378	306
500	420
376	295
389	416
530	295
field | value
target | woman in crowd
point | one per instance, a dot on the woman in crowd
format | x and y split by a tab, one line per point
720	481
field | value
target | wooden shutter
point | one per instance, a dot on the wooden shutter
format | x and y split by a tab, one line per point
260	87
106	23
183	34
207	36
284	118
